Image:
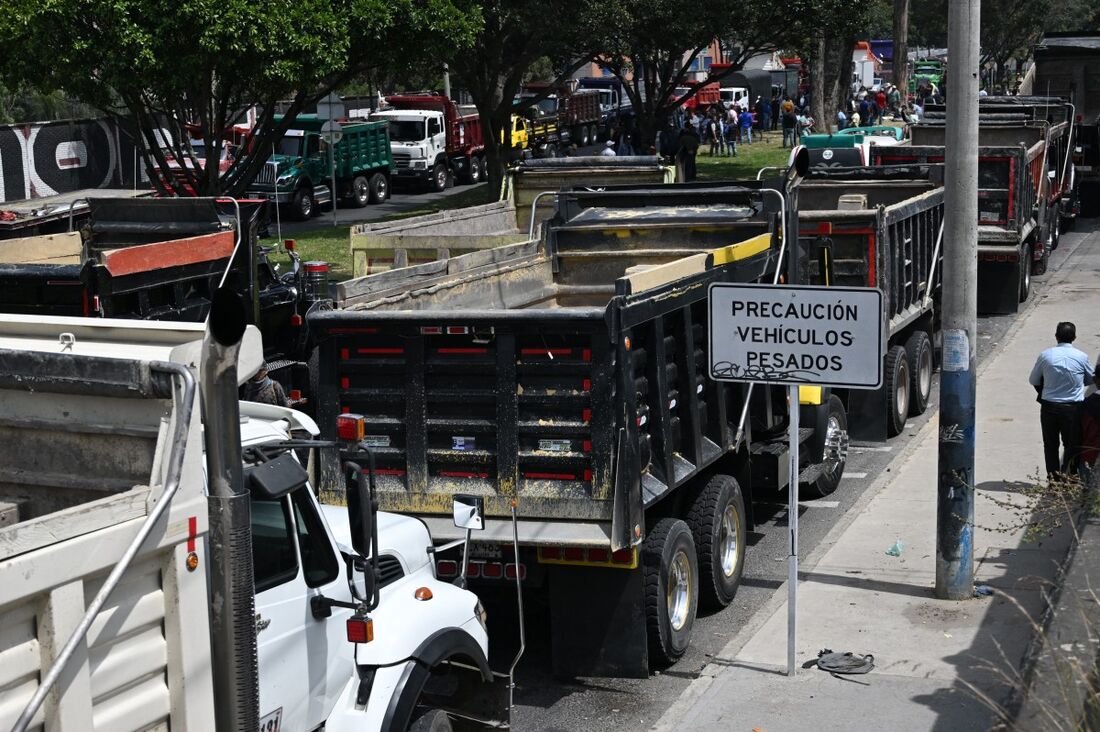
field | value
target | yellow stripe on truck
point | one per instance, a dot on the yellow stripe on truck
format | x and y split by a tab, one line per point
741	250
809	395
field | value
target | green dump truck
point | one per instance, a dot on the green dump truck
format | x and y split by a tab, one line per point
298	174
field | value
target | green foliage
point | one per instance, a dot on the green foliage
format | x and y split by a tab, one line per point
204	62
26	104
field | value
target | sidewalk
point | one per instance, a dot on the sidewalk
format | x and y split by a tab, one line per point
854	597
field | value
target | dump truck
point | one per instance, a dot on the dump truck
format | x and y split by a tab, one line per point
571	379
849	147
559	118
883	228
1014	236
1068	65
58	214
433	141
298	173
140	595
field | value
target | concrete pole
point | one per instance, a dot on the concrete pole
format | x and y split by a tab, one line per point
958	378
446	81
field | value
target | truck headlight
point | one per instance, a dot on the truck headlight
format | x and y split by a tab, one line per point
420	164
482	616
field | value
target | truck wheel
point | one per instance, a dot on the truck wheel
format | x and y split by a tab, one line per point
475	171
919	351
717	521
433	720
439	178
1055	226
896	391
594	134
379	188
835	454
581	134
483	165
671	589
1025	272
360	192
302	206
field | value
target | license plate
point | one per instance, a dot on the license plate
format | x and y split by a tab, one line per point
988	216
463	443
484	550
375	441
272	722
555	445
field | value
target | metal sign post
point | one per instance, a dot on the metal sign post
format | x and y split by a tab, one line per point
794	335
330	108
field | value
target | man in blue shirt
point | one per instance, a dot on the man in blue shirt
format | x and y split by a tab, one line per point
1060	375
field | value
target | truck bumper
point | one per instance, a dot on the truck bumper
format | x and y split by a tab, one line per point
411	174
280	197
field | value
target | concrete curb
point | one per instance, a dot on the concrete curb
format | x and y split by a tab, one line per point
670	720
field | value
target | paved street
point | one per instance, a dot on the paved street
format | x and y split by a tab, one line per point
552	705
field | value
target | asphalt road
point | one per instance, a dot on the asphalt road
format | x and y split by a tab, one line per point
549	704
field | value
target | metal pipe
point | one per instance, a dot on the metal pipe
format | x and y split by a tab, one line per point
232	592
73	203
237	243
522	630
932	269
1069	145
184	399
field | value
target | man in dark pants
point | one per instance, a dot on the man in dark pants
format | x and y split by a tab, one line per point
1060	375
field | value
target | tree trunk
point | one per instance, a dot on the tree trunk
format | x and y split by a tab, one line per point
901	46
824	113
837	62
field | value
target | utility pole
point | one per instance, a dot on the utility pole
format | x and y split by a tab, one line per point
446	81
958	377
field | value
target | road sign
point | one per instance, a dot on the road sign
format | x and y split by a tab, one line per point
333	132
786	334
330	107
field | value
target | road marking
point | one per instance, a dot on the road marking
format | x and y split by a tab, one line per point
819	504
870	448
855	476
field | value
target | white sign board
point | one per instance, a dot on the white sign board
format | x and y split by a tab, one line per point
330	107
787	334
332	131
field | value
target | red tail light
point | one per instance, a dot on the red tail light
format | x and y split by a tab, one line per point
296	320
492	570
290	245
597	555
351	427
446	568
360	630
574	554
550	552
623	556
510	571
295	395
473	569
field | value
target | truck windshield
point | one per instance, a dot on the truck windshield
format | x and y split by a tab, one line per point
548	106
290	146
406	130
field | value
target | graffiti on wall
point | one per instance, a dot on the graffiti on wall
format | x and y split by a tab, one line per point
40	159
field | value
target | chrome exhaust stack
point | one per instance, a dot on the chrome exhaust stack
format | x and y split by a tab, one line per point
232	591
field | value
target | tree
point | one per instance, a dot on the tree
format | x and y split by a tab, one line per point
901	45
198	65
652	46
515	35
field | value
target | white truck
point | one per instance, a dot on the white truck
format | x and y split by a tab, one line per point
147	588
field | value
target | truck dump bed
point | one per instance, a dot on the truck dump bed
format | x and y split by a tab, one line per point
533	371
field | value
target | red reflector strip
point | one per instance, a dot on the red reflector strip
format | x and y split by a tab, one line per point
473	570
192	532
623	556
446	568
344	355
586	385
550	476
380	351
389	471
344	382
588	475
586	354
573	554
598	555
587	445
457	330
431	330
586	415
462	474
462	351
492	570
345	410
550	552
825	228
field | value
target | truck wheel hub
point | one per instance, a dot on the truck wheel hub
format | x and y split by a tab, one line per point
679	590
729	540
836	446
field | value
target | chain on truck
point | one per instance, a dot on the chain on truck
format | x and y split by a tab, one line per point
213	589
568	375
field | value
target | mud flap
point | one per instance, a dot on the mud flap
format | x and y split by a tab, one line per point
867	415
626	517
998	287
597	622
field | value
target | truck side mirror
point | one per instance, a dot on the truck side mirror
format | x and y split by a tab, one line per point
360	510
469	512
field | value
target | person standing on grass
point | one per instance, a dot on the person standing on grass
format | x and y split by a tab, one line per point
686	150
1059	376
790	123
746	126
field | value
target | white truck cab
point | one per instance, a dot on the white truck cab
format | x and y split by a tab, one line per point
418	141
105	440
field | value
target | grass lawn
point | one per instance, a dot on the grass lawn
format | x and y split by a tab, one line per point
749	160
331	243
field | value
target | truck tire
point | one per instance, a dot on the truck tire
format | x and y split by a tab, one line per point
1025	272
379	188
919	351
671	589
717	522
581	133
835	454
360	192
433	720
438	181
474	176
483	164
302	205
1055	226
895	391
594	134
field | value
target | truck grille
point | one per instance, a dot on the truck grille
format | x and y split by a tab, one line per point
401	161
389	570
268	173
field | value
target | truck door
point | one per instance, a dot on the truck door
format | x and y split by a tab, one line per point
304	661
436	137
